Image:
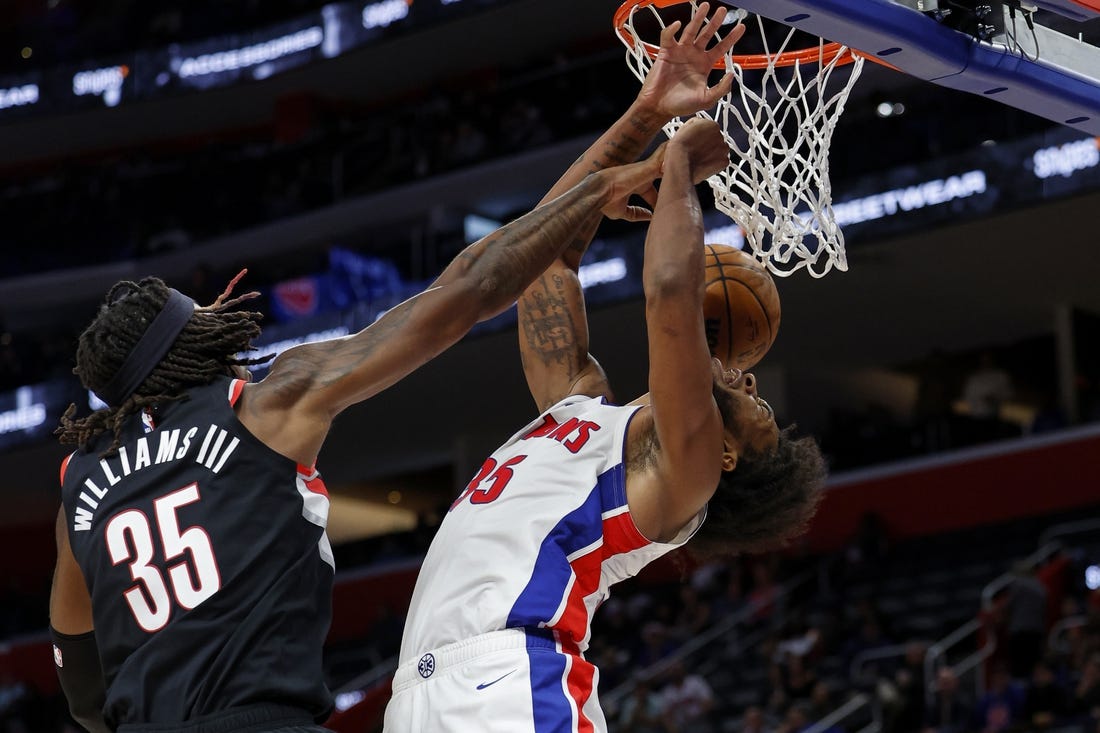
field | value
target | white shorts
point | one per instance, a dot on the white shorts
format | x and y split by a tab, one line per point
510	681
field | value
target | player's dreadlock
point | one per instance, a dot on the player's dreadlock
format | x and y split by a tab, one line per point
206	348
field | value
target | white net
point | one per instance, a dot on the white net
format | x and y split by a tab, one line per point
778	121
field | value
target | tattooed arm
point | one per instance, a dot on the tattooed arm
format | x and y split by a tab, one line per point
292	408
553	326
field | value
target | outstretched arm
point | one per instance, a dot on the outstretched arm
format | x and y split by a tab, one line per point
553	325
292	408
685	415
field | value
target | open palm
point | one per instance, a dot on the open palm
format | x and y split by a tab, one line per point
677	83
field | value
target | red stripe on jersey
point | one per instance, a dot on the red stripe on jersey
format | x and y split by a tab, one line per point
579	680
586	570
620	536
235	390
64	467
312	480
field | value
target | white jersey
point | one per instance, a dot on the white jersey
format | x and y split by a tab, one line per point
537	537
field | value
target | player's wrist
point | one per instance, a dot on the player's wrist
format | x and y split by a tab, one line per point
648	116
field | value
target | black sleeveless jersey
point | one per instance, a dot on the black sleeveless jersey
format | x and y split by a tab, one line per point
206	558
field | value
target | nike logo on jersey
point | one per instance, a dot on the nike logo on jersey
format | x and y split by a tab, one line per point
483	685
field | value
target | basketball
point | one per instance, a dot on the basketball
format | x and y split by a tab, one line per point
740	307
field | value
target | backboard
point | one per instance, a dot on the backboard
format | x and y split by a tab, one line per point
1030	55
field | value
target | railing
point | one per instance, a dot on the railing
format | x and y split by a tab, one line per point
1002	581
939	650
858	674
1068	528
1056	638
370	678
858	702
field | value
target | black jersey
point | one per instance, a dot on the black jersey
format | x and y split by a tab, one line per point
206	558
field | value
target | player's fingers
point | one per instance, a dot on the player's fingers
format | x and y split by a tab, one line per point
638	213
712	26
719	90
691	30
732	36
668	35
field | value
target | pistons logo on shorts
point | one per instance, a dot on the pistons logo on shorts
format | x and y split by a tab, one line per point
57	658
426	666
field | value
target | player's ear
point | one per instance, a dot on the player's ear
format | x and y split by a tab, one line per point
729	455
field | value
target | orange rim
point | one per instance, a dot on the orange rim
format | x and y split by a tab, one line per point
823	54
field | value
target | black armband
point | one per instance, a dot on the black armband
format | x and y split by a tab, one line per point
81	676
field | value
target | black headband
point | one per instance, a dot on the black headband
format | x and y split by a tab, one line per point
150	349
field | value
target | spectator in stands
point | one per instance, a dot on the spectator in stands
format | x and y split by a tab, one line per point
904	692
798	678
864	559
15	698
796	720
869	638
1025	621
800	639
686	701
753	720
1049	416
731	596
1045	702
777	703
656	644
821	700
764	590
932	413
985	391
641	712
694	614
1086	693
1001	706
950	711
613	662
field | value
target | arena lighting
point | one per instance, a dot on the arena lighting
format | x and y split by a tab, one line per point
19	96
1065	160
911	198
347	700
730	234
105	83
381	14
475	227
602	272
258	53
890	109
94	403
277	347
1092	577
27	414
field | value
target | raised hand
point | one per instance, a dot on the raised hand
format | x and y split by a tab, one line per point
677	84
635	179
706	149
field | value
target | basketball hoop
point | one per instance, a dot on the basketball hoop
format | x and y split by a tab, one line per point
778	125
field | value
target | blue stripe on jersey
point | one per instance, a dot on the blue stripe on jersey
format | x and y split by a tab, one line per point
612	485
550	577
548	701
